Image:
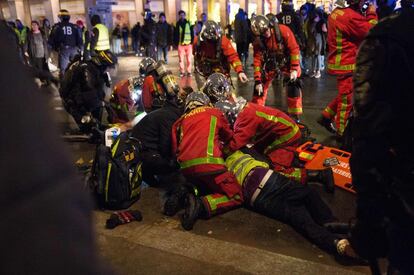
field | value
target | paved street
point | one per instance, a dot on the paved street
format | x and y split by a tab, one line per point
237	242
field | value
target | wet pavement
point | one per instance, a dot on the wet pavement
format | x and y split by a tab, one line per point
249	242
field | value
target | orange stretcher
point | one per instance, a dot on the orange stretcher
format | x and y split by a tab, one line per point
317	156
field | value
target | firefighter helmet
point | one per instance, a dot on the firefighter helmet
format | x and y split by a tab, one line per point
272	19
145	65
231	109
210	31
260	24
196	99
217	87
64	15
287	5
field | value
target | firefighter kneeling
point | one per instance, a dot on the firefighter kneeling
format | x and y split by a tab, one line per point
276	52
199	153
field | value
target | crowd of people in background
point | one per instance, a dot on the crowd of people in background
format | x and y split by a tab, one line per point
155	38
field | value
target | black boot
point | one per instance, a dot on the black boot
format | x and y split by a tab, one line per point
324	176
327	124
175	201
194	210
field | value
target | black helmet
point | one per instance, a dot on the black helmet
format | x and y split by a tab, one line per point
145	65
231	109
64	15
272	19
287	5
217	87
196	99
260	24
104	59
210	31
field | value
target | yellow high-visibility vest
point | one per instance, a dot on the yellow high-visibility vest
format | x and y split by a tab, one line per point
103	40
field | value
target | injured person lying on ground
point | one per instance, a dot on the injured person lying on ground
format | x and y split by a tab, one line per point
276	196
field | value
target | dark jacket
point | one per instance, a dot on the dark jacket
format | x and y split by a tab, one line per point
181	24
116	33
292	20
164	34
125	32
154	130
241	28
136	32
31	45
149	32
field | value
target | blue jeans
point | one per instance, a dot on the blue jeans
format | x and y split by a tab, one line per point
66	54
163	50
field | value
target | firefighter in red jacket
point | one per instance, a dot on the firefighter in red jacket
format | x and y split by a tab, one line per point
213	52
197	140
276	51
347	27
273	134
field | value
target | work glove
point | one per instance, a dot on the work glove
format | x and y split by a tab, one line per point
293	75
243	77
258	89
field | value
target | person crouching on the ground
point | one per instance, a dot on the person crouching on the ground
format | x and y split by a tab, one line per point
197	138
273	134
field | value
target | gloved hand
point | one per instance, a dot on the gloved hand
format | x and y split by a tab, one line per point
293	75
258	88
119	218
243	77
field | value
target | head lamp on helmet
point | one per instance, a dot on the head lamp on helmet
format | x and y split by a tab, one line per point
217	87
166	78
260	24
210	31
196	99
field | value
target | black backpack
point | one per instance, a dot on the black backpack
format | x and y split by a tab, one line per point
116	174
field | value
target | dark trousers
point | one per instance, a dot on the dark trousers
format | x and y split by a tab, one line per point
243	52
299	206
39	63
66	54
136	45
150	51
125	44
163	52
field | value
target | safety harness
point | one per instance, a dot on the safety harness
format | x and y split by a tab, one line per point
273	60
206	66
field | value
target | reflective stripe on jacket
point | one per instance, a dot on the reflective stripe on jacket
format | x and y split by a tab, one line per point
346	30
103	40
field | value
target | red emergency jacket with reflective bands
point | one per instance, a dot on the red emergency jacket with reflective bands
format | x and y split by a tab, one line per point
208	50
289	42
267	128
346	30
197	140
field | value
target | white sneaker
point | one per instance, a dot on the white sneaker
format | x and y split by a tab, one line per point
317	74
312	74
